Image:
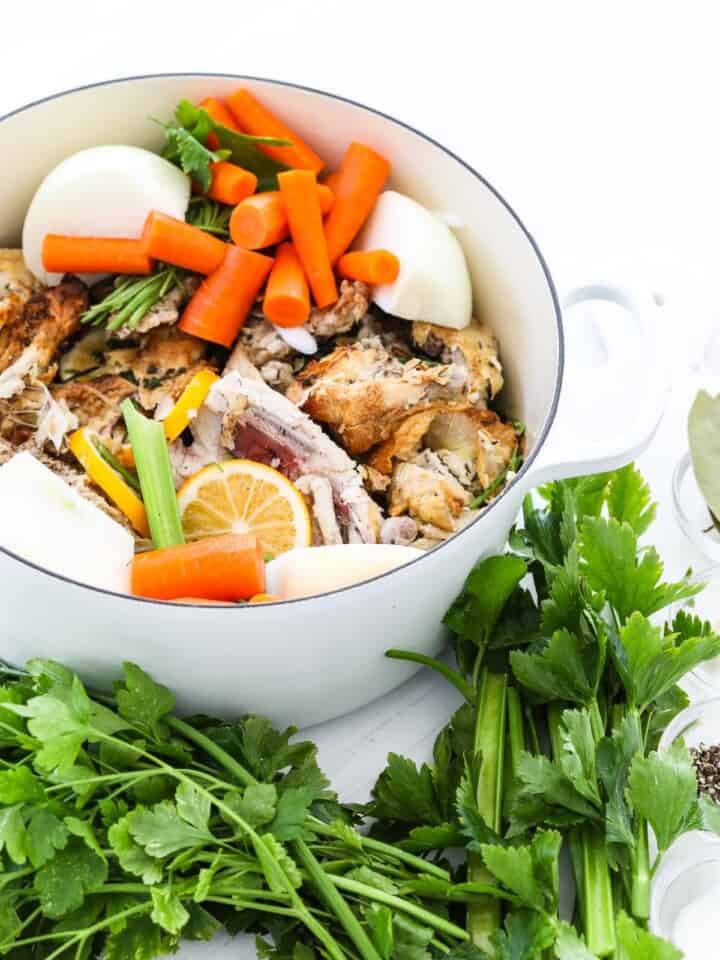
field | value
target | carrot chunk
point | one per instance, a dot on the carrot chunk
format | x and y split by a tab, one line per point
260	221
63	254
287	298
181	244
257	120
220	307
370	266
298	190
229	567
359	180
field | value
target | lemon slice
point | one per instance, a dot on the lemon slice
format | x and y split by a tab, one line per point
242	496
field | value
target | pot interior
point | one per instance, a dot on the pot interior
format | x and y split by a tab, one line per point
512	290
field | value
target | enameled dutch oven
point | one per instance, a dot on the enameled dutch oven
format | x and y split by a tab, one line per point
308	660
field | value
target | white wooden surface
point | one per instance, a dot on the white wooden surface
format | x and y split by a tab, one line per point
597	121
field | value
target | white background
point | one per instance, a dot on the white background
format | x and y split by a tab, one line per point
597	121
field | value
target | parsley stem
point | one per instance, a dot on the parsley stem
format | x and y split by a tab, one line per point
393	852
452	676
230	764
405	906
334	901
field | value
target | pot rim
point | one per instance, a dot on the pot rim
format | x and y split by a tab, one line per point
542	435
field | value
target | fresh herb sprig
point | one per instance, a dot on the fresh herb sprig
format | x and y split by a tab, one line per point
210	216
131	299
186	146
575	654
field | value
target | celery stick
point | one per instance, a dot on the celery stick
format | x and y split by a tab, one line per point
149	446
484	917
640	891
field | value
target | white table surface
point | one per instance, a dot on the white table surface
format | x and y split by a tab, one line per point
597	121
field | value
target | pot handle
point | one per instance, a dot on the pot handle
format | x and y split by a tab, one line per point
615	383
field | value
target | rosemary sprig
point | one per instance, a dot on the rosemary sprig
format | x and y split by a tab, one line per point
131	298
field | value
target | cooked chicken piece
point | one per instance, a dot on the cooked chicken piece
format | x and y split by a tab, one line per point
239	362
261	424
342	315
73	475
399	530
261	342
474	348
34	415
95	403
363	392
28	344
318	490
430	498
164	313
434	536
470	445
17	285
277	374
497	441
164	365
206	446
375	482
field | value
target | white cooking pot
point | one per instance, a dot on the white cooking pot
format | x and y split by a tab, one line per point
308	660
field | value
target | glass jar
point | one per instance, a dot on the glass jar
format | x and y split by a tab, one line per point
691	511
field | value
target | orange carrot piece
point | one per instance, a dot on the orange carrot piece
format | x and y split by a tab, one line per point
298	190
221	305
181	244
331	180
63	254
260	220
360	179
229	567
220	114
287	298
370	266
257	120
231	183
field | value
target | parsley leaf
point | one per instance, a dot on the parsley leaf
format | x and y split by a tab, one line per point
64	881
577	760
525	936
630	580
45	835
189	154
663	790
12	833
487	589
629	499
559	670
529	871
168	912
131	855
638	944
569	946
142	701
20	785
405	793
256	806
614	756
138	939
160	830
193	805
291	811
650	663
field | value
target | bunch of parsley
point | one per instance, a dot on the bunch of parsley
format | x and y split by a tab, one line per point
568	685
124	829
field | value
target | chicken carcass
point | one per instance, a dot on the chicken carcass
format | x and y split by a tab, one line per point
433	499
474	348
362	392
262	425
164	365
29	343
341	316
95	403
17	285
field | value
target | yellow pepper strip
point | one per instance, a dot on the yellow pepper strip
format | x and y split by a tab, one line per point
264	598
189	402
109	481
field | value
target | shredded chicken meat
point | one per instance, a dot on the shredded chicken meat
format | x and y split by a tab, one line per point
431	499
17	285
342	316
95	403
362	392
29	344
474	348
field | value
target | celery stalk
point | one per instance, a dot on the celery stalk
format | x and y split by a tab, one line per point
589	857
149	446
484	917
